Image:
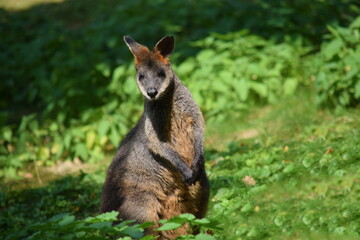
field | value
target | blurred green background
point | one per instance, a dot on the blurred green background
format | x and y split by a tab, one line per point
268	71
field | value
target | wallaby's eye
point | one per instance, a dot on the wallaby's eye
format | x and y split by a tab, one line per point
141	76
161	74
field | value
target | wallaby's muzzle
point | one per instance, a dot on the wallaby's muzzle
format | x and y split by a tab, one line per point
152	92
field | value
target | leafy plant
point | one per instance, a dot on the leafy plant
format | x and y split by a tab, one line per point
68	90
298	178
65	226
338	79
238	70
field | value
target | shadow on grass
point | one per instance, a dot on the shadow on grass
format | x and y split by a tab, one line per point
78	195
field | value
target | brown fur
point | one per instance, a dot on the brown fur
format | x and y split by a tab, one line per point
145	55
180	199
182	137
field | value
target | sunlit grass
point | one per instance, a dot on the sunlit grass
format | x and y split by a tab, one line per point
304	165
16	5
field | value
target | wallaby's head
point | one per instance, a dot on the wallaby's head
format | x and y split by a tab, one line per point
154	74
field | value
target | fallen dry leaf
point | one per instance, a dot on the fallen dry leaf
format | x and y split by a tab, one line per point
286	149
28	175
249	181
329	150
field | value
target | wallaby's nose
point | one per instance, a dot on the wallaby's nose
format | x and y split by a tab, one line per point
151	92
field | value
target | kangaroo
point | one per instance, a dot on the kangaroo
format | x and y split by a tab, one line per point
158	171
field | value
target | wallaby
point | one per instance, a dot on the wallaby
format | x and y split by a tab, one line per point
158	171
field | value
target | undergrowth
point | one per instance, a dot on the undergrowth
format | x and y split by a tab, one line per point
298	179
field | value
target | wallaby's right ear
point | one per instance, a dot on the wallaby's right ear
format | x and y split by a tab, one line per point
165	46
137	49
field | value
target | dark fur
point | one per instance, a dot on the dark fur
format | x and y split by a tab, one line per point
158	171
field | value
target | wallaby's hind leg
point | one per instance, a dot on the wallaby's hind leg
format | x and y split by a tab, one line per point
173	206
143	207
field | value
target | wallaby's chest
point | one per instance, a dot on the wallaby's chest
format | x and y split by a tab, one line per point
181	135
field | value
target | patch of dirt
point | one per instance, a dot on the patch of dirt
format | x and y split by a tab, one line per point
67	167
247	134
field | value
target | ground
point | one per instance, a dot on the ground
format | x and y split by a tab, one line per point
286	171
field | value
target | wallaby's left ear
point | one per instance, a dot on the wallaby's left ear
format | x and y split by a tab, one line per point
136	48
165	46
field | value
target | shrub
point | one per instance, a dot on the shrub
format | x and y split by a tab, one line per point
66	226
338	78
238	70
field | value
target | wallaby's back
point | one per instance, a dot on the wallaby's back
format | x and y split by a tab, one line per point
158	171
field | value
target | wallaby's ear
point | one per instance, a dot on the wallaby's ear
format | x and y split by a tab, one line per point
137	49
165	46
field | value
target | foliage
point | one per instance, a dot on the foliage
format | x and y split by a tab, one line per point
241	70
338	79
300	177
297	179
78	195
36	213
65	226
68	89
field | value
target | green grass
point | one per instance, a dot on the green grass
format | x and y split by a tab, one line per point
302	180
306	168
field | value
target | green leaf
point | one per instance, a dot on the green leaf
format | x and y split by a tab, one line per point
259	88
242	88
44	153
355	23
133	232
169	226
202	221
81	151
202	236
186	216
146	225
220	86
290	86
118	72
90	139
357	89
334	31
114	136
148	237
129	238
247	207
344	98
67	140
332	48
104	69
7	133
103	128
80	234
100	225
205	55
67	220
186	67
109	216
289	168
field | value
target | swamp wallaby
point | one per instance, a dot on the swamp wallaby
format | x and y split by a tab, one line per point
158	171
